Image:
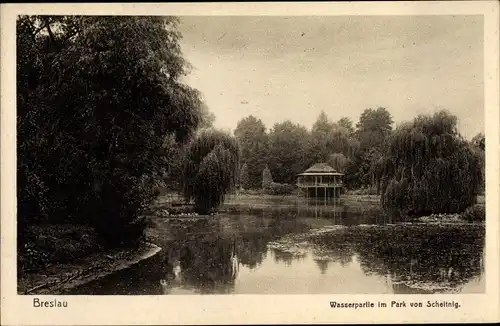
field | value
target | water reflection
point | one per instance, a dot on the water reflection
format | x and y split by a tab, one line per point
209	266
283	250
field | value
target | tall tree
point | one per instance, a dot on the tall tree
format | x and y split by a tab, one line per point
347	124
207	117
253	139
328	138
95	98
373	128
429	168
288	151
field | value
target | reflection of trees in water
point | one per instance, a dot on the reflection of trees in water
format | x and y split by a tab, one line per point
322	265
251	248
432	254
285	257
324	249
209	256
341	254
207	264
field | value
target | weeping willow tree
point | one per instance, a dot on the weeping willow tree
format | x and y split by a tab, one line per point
211	168
338	161
428	168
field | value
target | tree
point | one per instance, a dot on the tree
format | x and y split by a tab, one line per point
429	168
328	138
252	136
95	98
267	178
288	147
373	128
338	161
207	117
244	178
346	123
478	145
211	169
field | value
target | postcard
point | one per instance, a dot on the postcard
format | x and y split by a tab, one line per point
220	163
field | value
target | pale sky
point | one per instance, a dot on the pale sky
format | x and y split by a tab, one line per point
279	68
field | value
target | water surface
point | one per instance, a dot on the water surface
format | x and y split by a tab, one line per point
279	247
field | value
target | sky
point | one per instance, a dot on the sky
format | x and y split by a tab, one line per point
292	68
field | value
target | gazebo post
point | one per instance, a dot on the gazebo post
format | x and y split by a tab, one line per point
315	187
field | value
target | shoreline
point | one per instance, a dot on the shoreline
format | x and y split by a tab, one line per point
62	277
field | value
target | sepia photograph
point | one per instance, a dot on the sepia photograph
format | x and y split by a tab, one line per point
198	155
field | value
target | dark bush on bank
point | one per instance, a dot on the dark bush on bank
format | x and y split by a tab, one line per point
279	189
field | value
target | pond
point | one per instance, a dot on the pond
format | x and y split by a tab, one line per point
276	246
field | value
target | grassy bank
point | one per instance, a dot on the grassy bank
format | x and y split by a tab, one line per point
58	257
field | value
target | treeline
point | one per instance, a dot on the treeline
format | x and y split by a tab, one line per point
288	148
420	167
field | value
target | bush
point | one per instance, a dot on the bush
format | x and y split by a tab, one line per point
279	189
363	191
47	244
474	213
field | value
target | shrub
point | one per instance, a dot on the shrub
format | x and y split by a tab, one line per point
279	189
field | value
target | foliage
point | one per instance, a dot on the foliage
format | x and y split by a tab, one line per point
475	213
95	98
244	178
267	178
211	168
279	189
478	141
346	123
373	128
207	118
478	146
428	168
252	136
288	146
50	244
338	161
328	138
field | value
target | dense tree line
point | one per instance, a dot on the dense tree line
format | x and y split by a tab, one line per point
422	167
288	148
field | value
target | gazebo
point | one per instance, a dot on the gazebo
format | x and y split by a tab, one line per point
320	180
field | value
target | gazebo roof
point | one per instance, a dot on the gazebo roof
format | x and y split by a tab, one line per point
321	169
